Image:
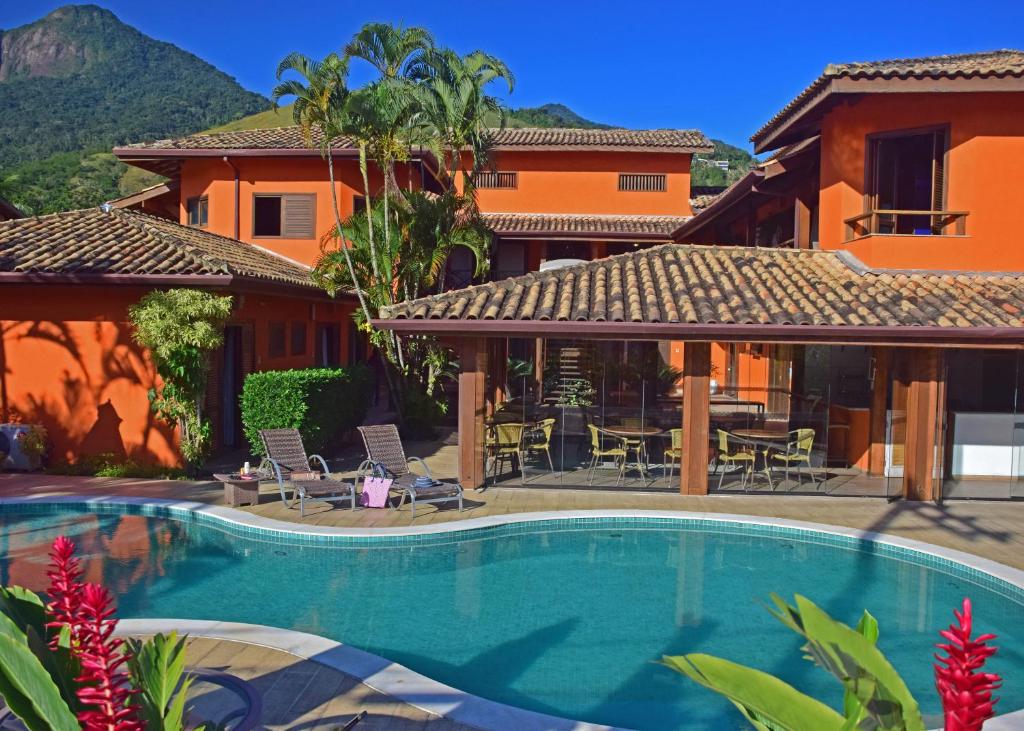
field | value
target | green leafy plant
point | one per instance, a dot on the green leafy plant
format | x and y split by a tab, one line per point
577	392
32	443
180	328
157	668
107	464
322	403
874	695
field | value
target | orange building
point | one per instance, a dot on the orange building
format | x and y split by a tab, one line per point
903	166
67	357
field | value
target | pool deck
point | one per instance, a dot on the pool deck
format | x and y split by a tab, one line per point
302	693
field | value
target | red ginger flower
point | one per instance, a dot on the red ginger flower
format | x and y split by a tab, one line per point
87	609
966	693
65	592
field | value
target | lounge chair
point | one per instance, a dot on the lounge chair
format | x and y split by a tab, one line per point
287	456
384	448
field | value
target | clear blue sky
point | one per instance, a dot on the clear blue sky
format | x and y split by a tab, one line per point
723	67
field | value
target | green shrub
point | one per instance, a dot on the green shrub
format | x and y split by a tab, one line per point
107	464
321	403
421	414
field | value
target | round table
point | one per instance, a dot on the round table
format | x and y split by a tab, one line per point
635	432
766	439
766	435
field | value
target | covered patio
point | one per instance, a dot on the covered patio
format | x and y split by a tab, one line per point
703	369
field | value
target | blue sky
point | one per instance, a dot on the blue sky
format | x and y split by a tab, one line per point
722	67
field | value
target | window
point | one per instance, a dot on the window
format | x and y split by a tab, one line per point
276	340
358	204
642	182
907	173
198	211
494	179
298	338
290	216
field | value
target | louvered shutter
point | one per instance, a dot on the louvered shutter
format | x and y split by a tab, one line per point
298	216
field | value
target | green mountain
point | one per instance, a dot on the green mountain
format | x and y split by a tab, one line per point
78	82
550	115
706	174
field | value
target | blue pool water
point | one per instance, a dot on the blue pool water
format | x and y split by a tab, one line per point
558	618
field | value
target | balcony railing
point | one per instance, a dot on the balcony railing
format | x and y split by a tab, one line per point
886	221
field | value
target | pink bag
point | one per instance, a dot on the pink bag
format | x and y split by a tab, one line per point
375	492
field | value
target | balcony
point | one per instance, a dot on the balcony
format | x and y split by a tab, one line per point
889	221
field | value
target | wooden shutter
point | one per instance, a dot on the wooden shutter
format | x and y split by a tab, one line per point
298	216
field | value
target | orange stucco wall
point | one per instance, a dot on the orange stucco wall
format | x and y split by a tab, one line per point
985	177
214	178
588	182
68	361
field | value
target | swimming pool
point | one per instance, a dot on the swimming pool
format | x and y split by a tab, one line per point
560	617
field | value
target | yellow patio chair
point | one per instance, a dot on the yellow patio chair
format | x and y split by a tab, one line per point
544	428
506	442
797	454
673	453
597	451
635	444
731	454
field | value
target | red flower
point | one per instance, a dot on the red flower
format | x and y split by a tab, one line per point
88	611
65	577
966	693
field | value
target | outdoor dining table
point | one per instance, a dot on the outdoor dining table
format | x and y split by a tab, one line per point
766	439
635	432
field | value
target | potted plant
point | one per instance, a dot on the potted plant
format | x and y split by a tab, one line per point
32	444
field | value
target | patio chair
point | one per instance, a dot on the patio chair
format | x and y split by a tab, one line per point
732	451
544	428
506	442
287	456
635	444
673	453
384	448
597	451
797	454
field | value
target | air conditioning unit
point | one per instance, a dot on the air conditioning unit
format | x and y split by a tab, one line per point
15	460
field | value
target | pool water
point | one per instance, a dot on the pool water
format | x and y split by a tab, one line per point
558	618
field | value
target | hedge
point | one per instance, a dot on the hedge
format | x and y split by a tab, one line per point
322	403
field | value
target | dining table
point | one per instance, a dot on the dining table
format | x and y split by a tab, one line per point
635	432
763	440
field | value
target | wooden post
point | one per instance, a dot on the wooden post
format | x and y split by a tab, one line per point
801	224
693	470
498	361
538	368
472	386
924	421
878	436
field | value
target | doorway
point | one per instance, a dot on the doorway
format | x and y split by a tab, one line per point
232	377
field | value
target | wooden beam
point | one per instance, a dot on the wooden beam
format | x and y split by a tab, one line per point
878	437
924	420
472	397
801	224
693	470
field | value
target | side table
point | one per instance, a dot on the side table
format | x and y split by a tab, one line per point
239	490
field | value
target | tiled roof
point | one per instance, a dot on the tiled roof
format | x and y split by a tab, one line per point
700	202
986	64
290	138
667	140
286	138
580	224
689	284
124	242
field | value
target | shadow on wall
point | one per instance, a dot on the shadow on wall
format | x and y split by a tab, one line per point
87	383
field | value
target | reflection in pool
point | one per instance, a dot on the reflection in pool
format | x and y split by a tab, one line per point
558	618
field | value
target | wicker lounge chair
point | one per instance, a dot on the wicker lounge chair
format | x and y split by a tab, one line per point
287	457
384	447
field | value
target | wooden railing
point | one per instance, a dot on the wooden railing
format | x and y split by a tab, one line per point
885	221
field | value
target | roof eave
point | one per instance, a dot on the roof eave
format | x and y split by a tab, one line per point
923	336
689	150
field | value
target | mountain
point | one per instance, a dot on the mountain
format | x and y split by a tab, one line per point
707	175
551	115
78	82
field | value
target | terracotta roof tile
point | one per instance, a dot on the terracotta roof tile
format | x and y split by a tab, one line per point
582	224
125	242
690	284
290	138
985	64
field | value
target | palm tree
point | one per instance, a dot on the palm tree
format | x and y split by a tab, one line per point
456	102
321	97
389	49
